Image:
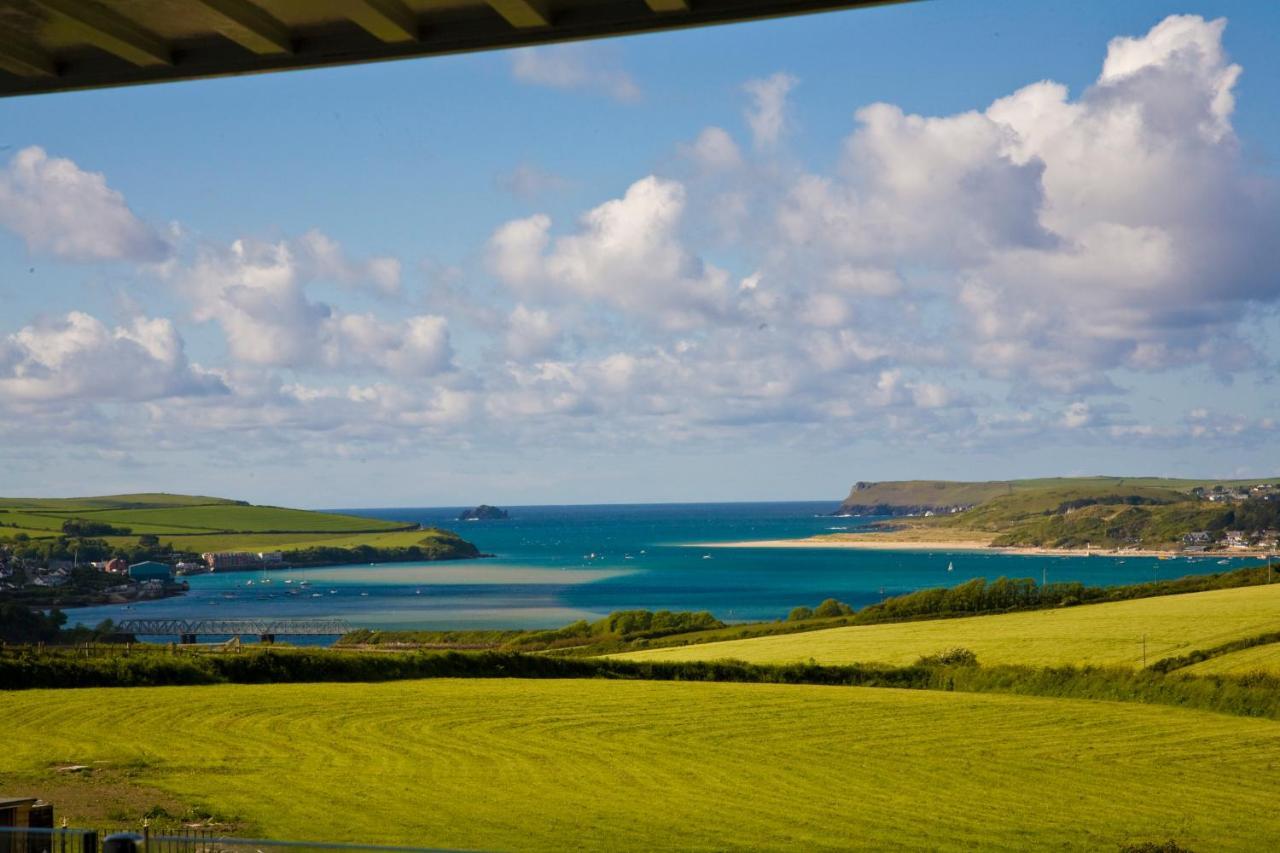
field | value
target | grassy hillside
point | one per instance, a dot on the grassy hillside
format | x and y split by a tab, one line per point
551	765
1104	512
175	517
1098	634
942	493
195	524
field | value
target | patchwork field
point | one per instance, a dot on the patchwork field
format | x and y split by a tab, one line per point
1098	634
553	765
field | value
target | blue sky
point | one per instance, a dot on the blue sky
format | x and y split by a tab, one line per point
681	266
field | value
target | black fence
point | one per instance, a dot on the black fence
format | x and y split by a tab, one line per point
43	840
38	840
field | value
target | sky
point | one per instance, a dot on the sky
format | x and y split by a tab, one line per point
751	262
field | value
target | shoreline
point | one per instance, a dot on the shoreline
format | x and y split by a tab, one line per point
973	545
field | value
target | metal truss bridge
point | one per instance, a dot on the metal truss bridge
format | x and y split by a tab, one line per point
187	630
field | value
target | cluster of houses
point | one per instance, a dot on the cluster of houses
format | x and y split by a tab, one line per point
147	579
1199	540
1222	494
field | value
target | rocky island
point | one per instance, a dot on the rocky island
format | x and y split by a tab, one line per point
484	512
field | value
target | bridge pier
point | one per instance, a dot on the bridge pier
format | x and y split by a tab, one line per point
187	639
266	639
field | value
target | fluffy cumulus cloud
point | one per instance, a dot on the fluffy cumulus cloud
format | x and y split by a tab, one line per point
1119	229
78	357
626	253
256	292
59	209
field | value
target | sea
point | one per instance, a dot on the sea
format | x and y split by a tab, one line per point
552	565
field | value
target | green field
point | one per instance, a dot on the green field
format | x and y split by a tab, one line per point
954	492
1257	659
201	542
554	765
1098	634
197	524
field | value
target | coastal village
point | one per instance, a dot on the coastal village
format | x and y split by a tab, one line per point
116	581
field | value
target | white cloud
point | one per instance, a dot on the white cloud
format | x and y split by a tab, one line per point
256	293
59	209
767	116
531	334
627	254
319	256
574	66
528	182
714	150
77	357
1072	237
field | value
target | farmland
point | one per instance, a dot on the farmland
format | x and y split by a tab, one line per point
508	764
196	524
1096	634
1264	658
1139	513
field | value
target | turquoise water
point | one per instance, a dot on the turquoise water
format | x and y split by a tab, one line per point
555	564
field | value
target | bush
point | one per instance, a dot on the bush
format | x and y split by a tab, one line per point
950	657
799	614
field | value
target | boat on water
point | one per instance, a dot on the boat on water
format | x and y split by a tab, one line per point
951	567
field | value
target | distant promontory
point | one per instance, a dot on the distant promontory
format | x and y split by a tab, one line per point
483	512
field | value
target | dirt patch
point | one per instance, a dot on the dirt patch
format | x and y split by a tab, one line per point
111	798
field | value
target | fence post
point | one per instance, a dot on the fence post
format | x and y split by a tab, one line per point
89	841
146	835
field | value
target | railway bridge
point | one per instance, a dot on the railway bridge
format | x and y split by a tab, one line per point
189	630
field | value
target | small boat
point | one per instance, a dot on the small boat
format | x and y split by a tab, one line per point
333	592
706	556
316	595
365	594
1224	562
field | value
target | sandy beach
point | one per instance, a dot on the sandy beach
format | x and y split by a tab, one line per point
885	542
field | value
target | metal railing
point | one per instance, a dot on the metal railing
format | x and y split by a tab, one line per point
38	840
208	844
26	839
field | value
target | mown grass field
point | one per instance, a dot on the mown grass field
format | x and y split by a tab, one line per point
1257	659
245	519
1097	634
201	542
197	524
554	765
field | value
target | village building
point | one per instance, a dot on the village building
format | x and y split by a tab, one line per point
150	570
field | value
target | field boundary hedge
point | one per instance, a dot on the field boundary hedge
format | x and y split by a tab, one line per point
1199	655
1255	695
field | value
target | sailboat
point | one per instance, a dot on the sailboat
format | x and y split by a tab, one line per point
951	567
